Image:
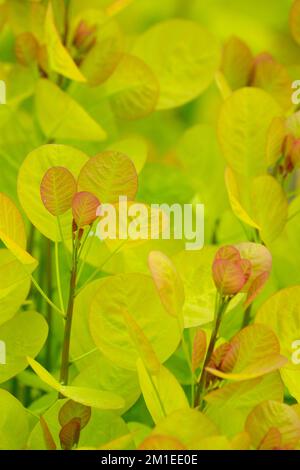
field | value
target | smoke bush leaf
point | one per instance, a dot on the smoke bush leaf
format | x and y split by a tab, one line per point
200	290
183	56
269	207
242	129
281	313
103	427
238	399
105	55
31	174
61	117
272	77
168	282
141	343
108	176
58	188
71	410
90	397
198	152
295	21
253	352
161	443
60	59
23	335
132	89
70	434
84	208
188	426
162	393
15	285
12	411
259	257
275	139
261	204
97	371
11	222
235	199
273	415
135	293
136	147
12	233
237	61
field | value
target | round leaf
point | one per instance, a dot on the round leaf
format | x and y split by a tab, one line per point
14	425
58	187
108	176
84	208
183	56
103	427
31	174
133	89
168	283
23	335
243	125
135	293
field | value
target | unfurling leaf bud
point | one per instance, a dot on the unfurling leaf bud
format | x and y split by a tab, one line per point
84	38
244	268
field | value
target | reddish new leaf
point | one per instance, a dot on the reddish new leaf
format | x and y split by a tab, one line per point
70	434
228	276
72	409
228	252
57	190
256	287
84	207
272	440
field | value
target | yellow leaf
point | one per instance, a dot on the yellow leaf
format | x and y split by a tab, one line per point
183	56
142	344
136	294
161	443
12	233
235	199
269	207
162	393
281	313
87	396
253	352
168	282
60	59
244	121
269	415
188	426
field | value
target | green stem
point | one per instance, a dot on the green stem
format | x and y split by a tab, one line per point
49	307
221	306
64	370
57	267
88	241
